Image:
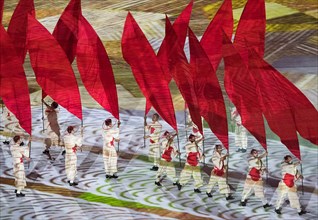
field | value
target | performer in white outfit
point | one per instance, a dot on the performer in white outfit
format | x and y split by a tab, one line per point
110	136
166	166
53	135
287	186
240	131
218	173
154	129
254	180
72	143
192	167
20	153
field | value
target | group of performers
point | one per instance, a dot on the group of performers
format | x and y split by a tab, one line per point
162	154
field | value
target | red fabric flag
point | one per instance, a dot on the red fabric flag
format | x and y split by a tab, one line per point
251	29
305	114
147	70
52	69
1	10
181	73
274	100
147	107
14	87
208	90
211	40
95	68
66	29
241	89
18	26
181	27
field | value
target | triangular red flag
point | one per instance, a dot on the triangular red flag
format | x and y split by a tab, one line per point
211	40
52	69
147	70
18	26
241	89
14	87
208	91
66	29
95	68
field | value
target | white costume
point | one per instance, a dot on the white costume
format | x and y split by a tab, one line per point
218	174
154	146
109	152
52	127
19	153
254	180
240	130
71	143
192	167
288	187
166	164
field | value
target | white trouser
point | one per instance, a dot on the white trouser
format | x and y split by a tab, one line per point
189	171
70	166
110	160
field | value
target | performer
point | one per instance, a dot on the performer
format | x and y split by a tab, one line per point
154	146
11	125
110	135
254	179
53	135
72	143
240	131
19	153
218	173
166	166
287	185
192	168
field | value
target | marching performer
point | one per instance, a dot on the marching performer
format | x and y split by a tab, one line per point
53	135
240	131
192	168
154	129
72	143
218	173
110	135
287	185
20	153
254	179
166	166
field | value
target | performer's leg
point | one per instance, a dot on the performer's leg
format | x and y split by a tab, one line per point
197	177
248	187
293	198
185	175
281	191
211	184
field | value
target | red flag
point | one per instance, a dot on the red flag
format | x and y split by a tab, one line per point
208	91
251	29
52	69
66	29
241	89
14	87
18	26
211	40
181	73
95	68
180	26
305	114
147	70
1	10
274	102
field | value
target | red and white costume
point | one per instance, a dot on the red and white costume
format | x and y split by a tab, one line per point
192	167
154	146
52	131
19	153
71	143
166	164
110	133
240	130
254	180
218	174
287	186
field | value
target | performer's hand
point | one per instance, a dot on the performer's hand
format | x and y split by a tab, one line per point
28	159
118	124
301	177
117	140
147	136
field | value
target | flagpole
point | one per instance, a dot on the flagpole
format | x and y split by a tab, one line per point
42	116
266	159
179	150
118	124
29	151
227	167
145	124
185	122
302	179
